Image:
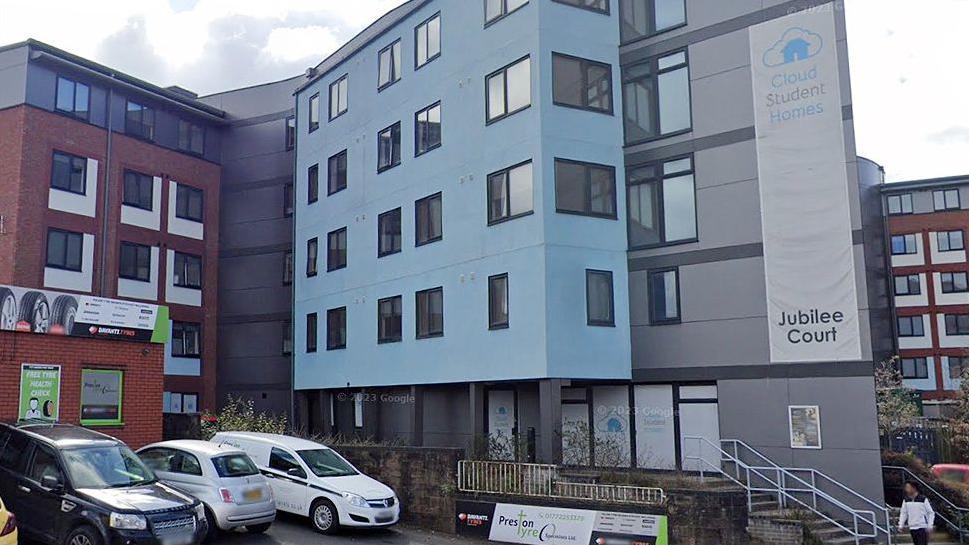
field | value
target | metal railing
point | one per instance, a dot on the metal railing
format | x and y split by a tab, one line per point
763	476
956	518
543	480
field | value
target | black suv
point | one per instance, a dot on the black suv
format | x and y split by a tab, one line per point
73	486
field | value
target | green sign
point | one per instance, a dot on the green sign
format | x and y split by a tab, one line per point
101	396
40	392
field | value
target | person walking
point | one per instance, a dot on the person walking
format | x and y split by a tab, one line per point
916	515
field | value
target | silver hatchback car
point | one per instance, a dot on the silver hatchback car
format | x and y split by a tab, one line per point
224	478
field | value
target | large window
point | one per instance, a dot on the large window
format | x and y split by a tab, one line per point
336	249
950	241
336	173
135	262
510	193
336	328
954	282
389	238
427	129
957	324
188	202
600	307
314	113
69	173
656	98
73	98
661	201
427	37
64	249
312	184
915	368
644	18
290	132
581	83
900	204
191	137
910	326
599	6
585	188
664	297
430	313
388	147
429	225
312	250
390	313
186	339
389	68
101	397
498	301
509	90
311	331
908	284
958	365
138	190
140	121
339	97
188	271
497	9
904	244
946	199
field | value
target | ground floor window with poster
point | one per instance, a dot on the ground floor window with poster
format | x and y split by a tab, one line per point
101	397
180	403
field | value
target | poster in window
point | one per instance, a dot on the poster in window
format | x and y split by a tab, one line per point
805	423
40	392
101	396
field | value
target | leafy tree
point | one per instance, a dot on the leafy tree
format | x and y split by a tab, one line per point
896	403
239	414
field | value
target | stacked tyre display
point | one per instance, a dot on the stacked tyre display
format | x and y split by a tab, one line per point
35	314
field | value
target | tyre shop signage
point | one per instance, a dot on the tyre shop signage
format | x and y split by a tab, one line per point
40	392
537	525
803	178
55	313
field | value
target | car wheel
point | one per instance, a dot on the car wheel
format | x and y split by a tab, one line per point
83	535
8	310
63	312
324	516
213	526
35	310
258	528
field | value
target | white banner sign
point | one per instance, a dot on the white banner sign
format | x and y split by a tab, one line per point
808	252
531	524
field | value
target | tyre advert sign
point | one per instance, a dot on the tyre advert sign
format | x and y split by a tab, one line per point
55	313
40	392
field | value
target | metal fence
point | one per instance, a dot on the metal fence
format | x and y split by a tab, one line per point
543	480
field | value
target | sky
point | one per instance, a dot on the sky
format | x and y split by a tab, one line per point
909	84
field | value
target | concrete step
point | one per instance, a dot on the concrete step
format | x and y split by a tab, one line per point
936	538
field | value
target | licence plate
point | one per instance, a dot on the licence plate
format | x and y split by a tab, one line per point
180	539
252	495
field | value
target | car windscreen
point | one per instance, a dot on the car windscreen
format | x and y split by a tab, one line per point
326	463
106	467
234	465
953	475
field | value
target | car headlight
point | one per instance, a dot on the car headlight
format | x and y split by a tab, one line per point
355	500
200	511
124	521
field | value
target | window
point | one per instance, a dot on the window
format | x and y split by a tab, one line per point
900	204
336	249
954	282
389	237
908	285
312	249
498	9
288	200
389	66
427	129
509	90
661	202
73	98
191	137
101	397
288	269
138	190
188	202
314	113
430	313
958	367
946	199
287	338
656	98
585	188
69	173
14	455
186	340
910	326
388	147
904	244
311	332
601	6
600	308
336	328
510	193
338	97
428	221
140	121
950	241
64	249
290	132
390	313
313	184
135	262
581	83
957	324
336	173
283	461
44	464
188	271
664	297
427	37
644	18
915	368
498	301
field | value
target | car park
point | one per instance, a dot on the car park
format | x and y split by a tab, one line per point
313	480
74	486
8	526
223	478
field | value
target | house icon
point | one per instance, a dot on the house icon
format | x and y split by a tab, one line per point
797	49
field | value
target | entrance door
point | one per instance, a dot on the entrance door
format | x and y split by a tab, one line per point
502	424
699	420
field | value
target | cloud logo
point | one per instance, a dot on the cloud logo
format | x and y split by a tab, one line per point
797	44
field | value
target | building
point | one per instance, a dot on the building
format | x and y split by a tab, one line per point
552	225
109	186
927	221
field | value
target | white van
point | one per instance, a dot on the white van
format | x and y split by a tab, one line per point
312	480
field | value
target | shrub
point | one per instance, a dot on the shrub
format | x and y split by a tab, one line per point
239	414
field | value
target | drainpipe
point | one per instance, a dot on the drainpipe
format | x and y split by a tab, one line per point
106	201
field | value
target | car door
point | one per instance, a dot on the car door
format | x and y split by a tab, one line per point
187	469
162	462
49	511
288	480
16	493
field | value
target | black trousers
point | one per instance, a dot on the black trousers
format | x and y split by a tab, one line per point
920	537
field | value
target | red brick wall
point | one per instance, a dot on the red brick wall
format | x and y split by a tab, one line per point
142	364
11	141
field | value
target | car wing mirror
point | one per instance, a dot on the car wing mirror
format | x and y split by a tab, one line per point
52	483
295	472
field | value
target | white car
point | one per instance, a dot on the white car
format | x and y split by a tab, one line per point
313	480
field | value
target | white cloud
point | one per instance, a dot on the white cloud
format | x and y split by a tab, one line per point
292	44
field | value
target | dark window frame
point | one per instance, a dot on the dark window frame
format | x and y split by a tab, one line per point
290	134
589	273
954	327
651	24
417	312
504	70
331	263
137	129
339	312
952	282
288	341
912	320
584	65
313	125
187	258
382	336
576	4
289	203
395	70
138	249
346	107
901	204
68	237
654	72
506	172
73	112
908	282
658	178
419	239
71	159
381	252
962	366
289	268
920	366
312	332
331	188
588	181
312	266
495	323
948	240
419	149
396	152
945	193
139	178
653	318
440	41
313	184
905	238
189	191
505	12
190	148
187	327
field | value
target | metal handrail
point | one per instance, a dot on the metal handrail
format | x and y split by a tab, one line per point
961	512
